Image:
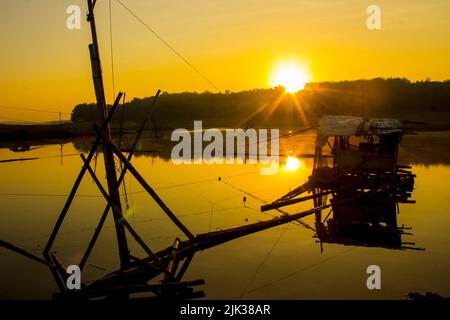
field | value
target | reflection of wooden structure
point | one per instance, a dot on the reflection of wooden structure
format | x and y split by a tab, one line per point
364	181
370	222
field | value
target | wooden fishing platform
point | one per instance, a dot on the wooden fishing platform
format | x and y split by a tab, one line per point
363	173
363	184
135	273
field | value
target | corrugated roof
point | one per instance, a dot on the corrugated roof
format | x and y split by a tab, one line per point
330	125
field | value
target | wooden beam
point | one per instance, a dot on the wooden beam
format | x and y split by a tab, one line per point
173	261
77	183
125	223
119	181
212	239
184	267
144	184
25	253
297	191
149	252
108	156
282	203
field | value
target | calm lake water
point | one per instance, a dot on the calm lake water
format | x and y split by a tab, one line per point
285	262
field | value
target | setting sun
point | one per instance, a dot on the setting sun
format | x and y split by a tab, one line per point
290	75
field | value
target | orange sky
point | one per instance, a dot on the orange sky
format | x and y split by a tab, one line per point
235	43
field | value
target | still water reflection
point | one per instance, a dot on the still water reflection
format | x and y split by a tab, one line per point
285	262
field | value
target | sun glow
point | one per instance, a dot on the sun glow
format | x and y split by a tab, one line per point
292	164
291	75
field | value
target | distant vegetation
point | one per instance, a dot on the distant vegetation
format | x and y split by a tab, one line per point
420	101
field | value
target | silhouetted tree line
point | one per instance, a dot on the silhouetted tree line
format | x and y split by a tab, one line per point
422	100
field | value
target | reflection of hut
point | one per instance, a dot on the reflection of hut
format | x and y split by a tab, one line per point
364	181
370	222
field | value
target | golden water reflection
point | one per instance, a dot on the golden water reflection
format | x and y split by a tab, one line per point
32	194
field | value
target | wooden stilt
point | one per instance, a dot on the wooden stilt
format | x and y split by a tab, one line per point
173	261
184	267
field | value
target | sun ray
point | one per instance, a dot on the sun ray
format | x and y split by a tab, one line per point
300	110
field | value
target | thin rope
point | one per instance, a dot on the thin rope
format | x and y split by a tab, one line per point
185	60
263	262
292	274
140	221
16	119
129	193
30	109
299	221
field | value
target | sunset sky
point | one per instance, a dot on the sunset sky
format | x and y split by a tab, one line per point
235	43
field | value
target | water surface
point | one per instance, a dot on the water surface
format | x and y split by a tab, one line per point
281	263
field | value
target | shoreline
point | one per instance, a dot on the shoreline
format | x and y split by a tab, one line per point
26	132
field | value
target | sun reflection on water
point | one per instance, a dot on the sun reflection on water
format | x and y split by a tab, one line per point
292	164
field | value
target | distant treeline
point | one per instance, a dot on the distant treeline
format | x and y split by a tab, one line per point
419	101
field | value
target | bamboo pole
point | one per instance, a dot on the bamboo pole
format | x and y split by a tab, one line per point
144	184
25	253
212	239
283	203
77	183
184	267
108	156
125	223
119	181
173	261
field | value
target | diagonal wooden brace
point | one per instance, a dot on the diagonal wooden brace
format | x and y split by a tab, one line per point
119	181
127	225
78	181
144	184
